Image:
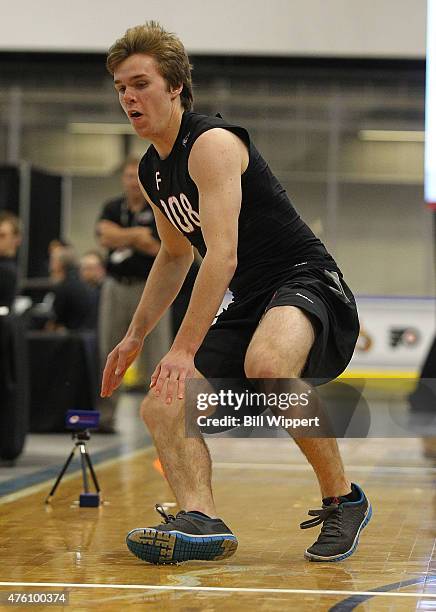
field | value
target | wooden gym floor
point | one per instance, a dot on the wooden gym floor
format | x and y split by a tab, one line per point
263	490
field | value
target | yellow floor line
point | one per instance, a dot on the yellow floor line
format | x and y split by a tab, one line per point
405	374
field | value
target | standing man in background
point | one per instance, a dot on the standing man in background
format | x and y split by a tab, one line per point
126	228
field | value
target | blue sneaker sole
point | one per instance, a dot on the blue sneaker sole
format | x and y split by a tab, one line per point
166	547
312	557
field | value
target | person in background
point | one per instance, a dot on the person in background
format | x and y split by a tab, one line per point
92	269
422	400
72	304
10	239
93	272
126	228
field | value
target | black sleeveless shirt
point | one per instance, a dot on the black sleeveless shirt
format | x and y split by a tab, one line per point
272	238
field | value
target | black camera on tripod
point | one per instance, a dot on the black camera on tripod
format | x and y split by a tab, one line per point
80	422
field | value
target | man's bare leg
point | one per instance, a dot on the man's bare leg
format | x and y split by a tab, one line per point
279	349
323	455
186	461
187	466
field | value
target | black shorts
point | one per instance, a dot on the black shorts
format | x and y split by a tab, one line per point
320	292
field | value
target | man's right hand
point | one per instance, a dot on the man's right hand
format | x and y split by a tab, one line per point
123	355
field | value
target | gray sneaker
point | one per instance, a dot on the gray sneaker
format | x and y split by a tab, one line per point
342	521
184	537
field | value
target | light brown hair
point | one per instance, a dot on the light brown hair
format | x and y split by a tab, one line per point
166	49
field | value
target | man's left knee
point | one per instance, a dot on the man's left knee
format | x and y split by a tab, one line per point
269	366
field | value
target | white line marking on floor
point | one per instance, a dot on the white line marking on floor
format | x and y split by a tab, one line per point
285	467
142	587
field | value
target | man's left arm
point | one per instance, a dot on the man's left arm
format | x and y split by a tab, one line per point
215	165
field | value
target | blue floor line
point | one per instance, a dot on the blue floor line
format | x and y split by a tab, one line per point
27	480
351	603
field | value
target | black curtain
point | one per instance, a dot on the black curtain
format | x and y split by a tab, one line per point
44	219
10	189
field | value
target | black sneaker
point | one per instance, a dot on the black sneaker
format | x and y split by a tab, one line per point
184	537
342	523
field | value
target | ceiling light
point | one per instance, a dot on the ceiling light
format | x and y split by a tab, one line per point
392	135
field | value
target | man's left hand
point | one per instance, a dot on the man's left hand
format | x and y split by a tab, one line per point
173	369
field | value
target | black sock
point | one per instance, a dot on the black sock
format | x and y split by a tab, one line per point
199	513
354	495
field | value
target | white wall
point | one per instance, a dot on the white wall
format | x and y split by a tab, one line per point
365	28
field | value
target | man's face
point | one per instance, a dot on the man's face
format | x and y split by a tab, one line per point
91	270
9	240
130	181
144	95
55	264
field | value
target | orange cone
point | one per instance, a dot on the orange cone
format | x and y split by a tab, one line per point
158	467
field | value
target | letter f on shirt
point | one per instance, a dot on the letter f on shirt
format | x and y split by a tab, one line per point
158	180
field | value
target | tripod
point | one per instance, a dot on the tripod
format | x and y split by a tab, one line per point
87	499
